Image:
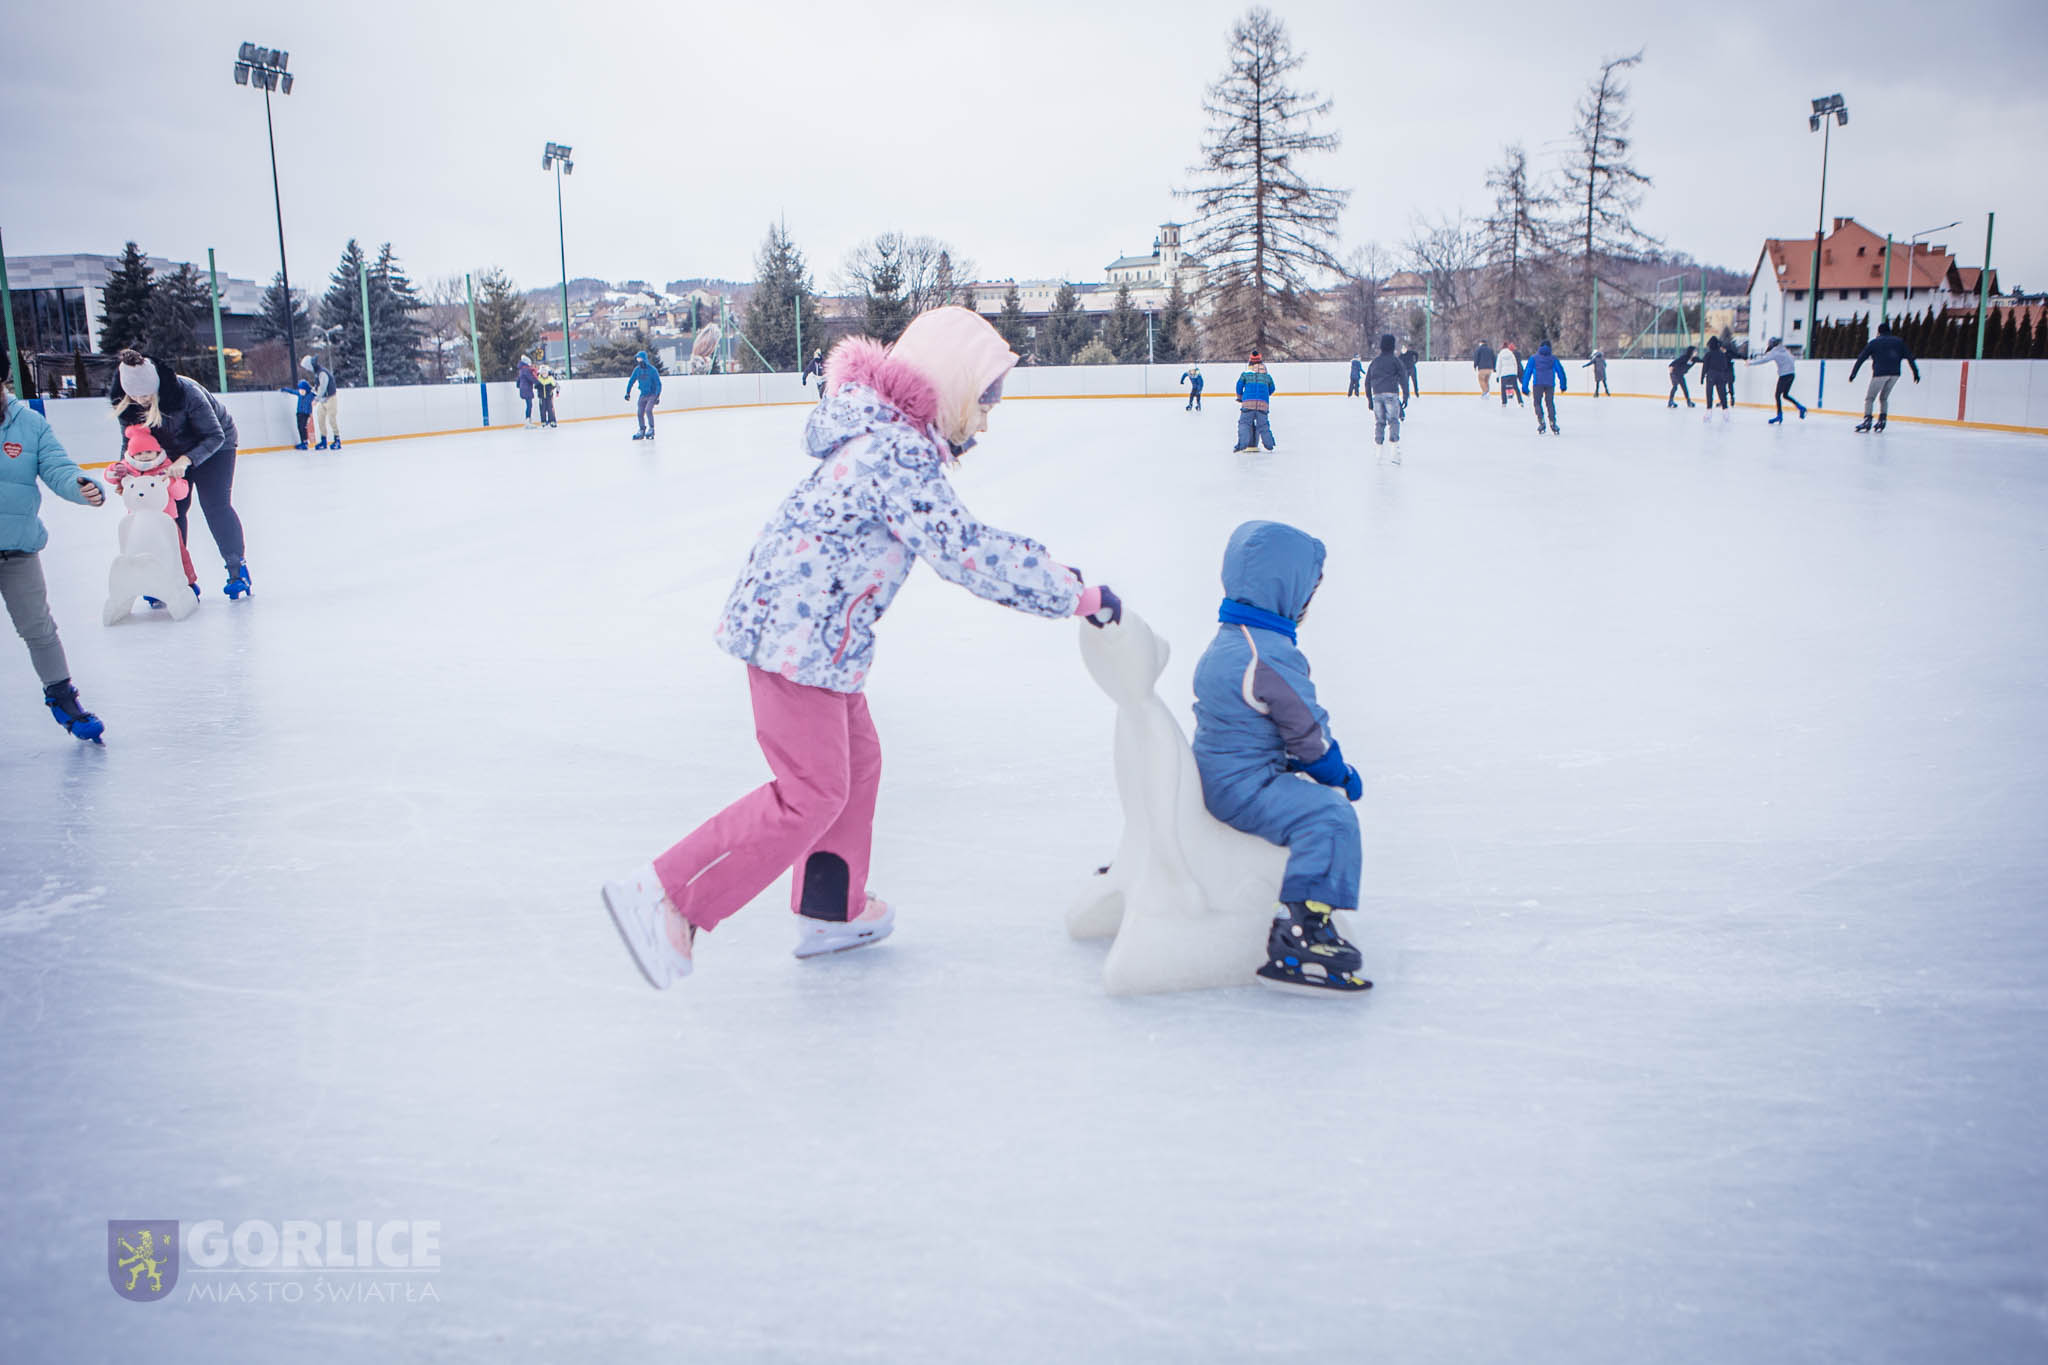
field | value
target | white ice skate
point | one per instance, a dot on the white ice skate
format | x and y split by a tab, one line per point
817	937
642	913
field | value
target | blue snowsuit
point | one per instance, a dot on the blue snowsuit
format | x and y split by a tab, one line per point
1255	399
1257	724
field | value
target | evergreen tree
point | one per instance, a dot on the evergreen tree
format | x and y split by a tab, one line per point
124	301
505	328
272	319
395	308
782	294
1174	323
170	330
1066	328
1262	228
615	359
1124	330
341	317
1016	333
886	311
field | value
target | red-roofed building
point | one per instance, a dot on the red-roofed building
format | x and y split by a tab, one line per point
1853	270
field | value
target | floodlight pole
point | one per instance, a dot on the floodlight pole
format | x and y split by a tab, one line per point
562	241
284	270
1827	119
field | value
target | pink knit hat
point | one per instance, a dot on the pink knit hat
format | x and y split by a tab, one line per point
963	357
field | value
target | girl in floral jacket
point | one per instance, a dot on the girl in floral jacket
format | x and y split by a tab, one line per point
802	618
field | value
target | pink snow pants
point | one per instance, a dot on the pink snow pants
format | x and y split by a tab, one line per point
817	816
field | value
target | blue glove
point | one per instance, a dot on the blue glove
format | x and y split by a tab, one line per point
1354	785
1329	769
1112	608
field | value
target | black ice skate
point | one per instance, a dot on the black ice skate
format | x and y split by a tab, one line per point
1864	425
1304	951
1880	425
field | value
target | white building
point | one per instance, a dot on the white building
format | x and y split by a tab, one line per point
1853	274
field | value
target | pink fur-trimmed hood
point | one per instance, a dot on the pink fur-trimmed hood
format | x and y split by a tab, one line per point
867	362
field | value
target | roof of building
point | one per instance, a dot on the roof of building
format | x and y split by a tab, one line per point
1132	262
1967	276
1852	257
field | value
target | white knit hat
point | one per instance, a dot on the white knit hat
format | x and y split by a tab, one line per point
139	381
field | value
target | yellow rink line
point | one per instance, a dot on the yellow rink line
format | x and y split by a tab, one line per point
1069	397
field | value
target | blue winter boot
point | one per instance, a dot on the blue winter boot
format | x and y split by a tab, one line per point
62	699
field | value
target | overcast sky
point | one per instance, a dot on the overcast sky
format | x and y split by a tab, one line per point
1039	139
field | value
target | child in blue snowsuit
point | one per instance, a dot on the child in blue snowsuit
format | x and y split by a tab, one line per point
1268	763
304	393
1255	402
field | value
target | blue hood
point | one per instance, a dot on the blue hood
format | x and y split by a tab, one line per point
1272	566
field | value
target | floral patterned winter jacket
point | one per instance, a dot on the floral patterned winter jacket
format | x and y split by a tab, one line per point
839	548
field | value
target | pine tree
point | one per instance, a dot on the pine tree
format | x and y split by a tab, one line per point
124	301
170	330
1174	324
886	312
1123	332
505	328
1261	228
1601	185
614	359
1016	333
341	317
1066	328
395	308
271	320
782	294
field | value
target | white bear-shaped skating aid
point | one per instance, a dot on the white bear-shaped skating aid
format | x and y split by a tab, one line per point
1188	897
150	563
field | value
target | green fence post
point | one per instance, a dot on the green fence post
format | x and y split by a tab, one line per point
7	307
1984	282
796	305
369	360
476	350
220	353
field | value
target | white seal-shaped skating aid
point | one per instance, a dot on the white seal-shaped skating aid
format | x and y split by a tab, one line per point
1188	898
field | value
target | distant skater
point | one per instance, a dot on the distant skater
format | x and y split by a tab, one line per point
1254	407
1412	361
1482	363
815	369
544	389
1386	388
1717	373
648	379
1884	352
1544	380
1508	367
1598	365
1679	367
1192	377
1357	371
1777	355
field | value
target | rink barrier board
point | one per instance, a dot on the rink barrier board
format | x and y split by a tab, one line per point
2007	396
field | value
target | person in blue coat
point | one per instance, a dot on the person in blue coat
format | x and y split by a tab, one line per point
1544	379
1268	763
1254	406
648	380
1192	377
29	451
304	393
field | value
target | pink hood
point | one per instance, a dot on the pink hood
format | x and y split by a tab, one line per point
936	372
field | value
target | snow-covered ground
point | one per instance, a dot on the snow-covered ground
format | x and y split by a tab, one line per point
1706	826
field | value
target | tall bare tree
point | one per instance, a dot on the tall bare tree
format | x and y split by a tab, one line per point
1520	241
1603	188
1359	308
1261	228
1448	254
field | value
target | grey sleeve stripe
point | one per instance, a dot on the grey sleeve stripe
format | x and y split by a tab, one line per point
1300	731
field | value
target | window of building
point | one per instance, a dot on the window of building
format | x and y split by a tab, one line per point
1844	294
1796	325
1861	294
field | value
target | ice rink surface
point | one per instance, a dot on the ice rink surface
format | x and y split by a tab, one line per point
1706	846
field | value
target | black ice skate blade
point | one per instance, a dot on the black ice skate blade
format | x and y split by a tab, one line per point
1308	985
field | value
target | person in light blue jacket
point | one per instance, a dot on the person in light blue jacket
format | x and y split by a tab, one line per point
1268	763
648	380
30	451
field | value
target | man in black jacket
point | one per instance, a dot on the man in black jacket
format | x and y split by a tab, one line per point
1884	352
1482	361
1387	389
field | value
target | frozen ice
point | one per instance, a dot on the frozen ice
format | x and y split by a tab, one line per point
1704	844
1186	897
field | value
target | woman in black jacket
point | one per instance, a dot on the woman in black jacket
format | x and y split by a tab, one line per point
195	430
1717	372
1678	385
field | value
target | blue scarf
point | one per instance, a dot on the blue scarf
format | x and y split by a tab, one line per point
1236	613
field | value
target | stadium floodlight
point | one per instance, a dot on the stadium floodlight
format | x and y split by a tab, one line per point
1828	110
555	157
265	69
